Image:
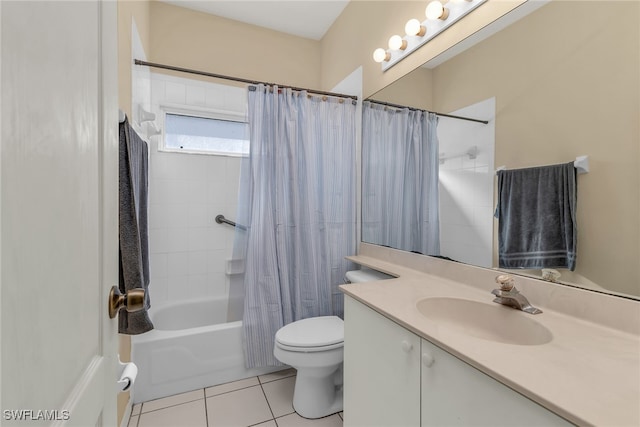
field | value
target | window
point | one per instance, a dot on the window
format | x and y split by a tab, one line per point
207	135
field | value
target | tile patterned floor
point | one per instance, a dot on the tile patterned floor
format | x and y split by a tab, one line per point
264	401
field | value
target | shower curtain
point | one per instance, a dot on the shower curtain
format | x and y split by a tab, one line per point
400	178
298	199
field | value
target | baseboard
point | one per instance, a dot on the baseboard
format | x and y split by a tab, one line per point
127	414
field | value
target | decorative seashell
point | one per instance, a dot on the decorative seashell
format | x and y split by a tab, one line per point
550	275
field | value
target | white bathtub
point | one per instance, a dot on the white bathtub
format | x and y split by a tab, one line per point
190	348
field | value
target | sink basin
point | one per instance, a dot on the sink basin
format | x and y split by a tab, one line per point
488	321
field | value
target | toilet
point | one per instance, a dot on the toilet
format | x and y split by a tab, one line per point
314	347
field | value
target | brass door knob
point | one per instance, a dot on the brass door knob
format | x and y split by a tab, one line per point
132	300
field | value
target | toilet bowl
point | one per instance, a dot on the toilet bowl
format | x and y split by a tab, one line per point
314	347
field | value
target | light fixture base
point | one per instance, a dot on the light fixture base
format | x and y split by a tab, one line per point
430	29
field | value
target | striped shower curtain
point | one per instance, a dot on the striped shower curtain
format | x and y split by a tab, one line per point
299	196
400	178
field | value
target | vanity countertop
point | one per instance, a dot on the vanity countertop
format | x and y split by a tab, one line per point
588	373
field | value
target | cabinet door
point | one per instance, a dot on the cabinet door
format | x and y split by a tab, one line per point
381	370
456	394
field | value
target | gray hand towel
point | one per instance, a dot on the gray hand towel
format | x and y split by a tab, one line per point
134	245
537	217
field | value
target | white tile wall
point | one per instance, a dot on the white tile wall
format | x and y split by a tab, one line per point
188	249
466	186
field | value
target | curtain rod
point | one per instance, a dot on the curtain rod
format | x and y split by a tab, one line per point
388	104
237	79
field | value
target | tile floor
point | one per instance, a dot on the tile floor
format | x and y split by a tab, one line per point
264	401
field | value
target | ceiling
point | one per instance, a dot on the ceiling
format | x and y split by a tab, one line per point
304	18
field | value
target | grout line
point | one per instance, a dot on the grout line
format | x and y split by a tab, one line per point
292	374
171	406
258	423
206	411
230	391
286	415
273	417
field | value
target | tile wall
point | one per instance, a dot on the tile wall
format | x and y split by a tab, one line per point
188	249
467	185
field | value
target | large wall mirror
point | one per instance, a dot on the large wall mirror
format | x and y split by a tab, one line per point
561	82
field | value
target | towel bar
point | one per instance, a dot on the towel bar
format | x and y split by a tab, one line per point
220	219
581	163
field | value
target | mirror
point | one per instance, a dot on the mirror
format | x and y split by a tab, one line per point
559	83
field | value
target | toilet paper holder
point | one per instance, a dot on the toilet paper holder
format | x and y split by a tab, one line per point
128	374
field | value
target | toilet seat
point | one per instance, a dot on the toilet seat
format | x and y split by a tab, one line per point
312	334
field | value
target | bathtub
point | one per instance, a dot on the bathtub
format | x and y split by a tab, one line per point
191	347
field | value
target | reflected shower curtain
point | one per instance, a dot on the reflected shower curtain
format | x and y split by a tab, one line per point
299	203
400	178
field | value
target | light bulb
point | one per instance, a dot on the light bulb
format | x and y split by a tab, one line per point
414	28
397	43
380	55
435	10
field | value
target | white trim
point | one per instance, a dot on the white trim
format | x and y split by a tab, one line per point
127	414
200	152
1	142
86	398
208	113
108	190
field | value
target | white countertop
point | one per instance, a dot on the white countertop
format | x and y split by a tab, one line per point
588	373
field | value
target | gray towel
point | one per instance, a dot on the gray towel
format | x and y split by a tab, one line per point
537	217
134	243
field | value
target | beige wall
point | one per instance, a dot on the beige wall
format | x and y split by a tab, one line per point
413	90
367	25
209	43
556	100
128	10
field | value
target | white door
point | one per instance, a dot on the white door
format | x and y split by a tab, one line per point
58	211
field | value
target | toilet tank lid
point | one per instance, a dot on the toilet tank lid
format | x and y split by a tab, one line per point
366	275
312	332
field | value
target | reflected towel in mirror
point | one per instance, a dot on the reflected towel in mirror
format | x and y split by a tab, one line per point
537	217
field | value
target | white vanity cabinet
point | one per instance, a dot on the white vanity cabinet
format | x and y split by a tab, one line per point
381	370
456	394
392	377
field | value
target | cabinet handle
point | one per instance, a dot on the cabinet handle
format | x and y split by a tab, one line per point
428	360
407	346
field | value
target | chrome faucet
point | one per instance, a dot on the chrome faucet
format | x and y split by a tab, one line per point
509	295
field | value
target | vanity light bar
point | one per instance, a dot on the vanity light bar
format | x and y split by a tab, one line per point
442	17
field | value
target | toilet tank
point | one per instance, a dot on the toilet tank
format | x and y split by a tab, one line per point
365	275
